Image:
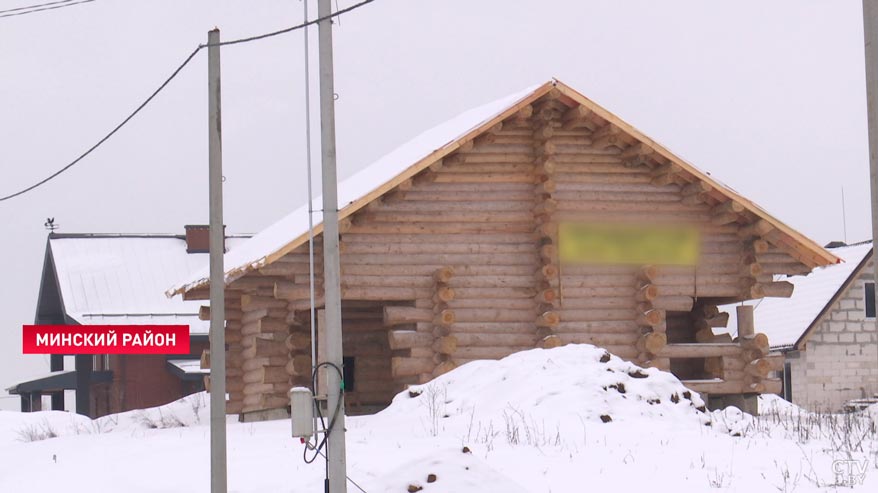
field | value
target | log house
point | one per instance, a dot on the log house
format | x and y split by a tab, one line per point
450	255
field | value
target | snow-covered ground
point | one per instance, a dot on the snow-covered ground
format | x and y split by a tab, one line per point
567	419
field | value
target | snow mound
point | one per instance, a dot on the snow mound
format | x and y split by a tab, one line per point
775	404
577	383
192	410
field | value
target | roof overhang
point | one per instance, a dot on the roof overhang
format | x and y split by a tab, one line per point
58	381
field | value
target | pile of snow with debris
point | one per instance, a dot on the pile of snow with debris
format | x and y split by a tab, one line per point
566	385
563	419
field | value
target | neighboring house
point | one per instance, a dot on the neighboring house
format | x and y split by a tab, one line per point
116	279
450	254
826	332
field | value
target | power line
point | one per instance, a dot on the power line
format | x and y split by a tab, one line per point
39	8
168	81
293	28
34	6
112	132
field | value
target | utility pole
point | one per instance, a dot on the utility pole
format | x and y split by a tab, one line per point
335	453
870	33
217	272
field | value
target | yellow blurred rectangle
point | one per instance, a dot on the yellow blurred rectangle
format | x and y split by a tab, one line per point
628	244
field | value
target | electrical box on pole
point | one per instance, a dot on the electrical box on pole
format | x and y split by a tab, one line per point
302	412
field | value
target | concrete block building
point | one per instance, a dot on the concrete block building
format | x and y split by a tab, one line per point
826	332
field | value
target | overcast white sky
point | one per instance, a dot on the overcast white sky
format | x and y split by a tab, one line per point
766	96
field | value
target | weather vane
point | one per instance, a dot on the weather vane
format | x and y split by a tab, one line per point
50	224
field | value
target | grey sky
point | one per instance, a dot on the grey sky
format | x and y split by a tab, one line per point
768	97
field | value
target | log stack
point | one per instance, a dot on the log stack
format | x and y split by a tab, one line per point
264	332
546	231
234	373
652	321
754	352
445	342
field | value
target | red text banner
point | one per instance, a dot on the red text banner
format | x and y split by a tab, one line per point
105	339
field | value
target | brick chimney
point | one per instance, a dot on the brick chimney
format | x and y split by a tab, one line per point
198	238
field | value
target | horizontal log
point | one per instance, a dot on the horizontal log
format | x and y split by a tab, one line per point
652	342
406	339
262	339
426	270
263	348
779	289
757	342
489	315
385	294
698	350
402	367
650	318
397	315
548	319
443	294
599	302
445	345
758	368
251	303
759	228
598	315
715	386
627	326
443	228
493	352
276	374
496	338
445	317
498	327
674	303
496	303
625	351
597	339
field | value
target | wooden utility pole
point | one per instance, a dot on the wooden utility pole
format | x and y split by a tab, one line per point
870	33
218	477
335	453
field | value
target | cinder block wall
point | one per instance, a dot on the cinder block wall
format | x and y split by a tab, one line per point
840	360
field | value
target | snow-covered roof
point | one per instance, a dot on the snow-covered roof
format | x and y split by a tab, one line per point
120	279
785	320
415	155
253	254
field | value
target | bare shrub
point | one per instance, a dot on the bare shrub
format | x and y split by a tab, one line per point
36	433
434	399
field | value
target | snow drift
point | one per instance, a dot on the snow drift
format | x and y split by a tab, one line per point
572	418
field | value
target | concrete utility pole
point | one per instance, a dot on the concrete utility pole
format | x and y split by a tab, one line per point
335	452
870	33
217	283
